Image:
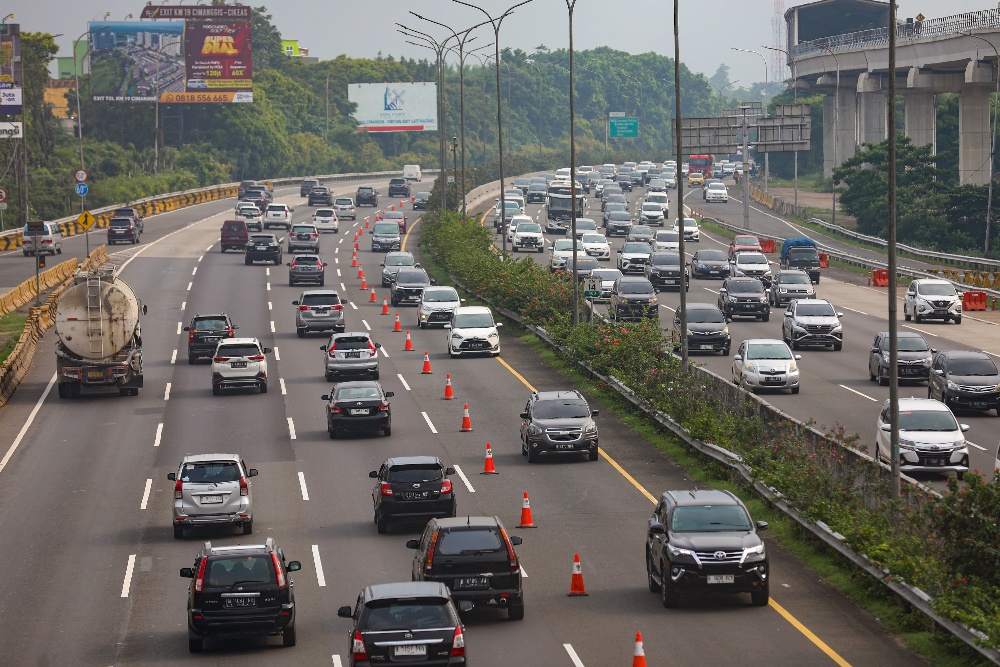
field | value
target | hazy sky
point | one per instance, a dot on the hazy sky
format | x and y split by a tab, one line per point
363	28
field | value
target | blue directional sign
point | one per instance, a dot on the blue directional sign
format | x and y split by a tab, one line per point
82	189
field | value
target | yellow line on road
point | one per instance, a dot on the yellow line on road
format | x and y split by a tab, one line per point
406	237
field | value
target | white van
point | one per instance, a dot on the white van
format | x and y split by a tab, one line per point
563	174
411	172
48	242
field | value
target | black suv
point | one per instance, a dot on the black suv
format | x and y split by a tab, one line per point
965	379
307	187
913	357
664	269
559	422
420	200
744	297
474	557
260	194
123	230
240	590
242	190
624	181
320	196
205	332
366	196
633	298
399	187
263	248
412	487
408	285
704	540
405	622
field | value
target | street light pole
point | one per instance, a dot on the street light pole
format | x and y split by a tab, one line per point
891	248
682	309
570	6
795	99
79	120
993	143
539	100
836	117
767	85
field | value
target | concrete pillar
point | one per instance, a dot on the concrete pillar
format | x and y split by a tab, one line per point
974	135
920	119
845	127
872	115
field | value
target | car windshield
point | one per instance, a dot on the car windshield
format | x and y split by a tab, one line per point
537	187
473	321
529	228
907	344
746	240
705	315
226	572
659	199
642	229
710	518
234	226
408	614
325	213
768	351
936	289
117	224
319	300
564	244
423	195
560	409
637	287
793	279
414	474
411	277
711	255
210	472
344	201
616	207
444	294
387	228
927	420
971	367
620	216
585	224
690	224
815	310
668	235
594	238
399	260
652	207
636	248
238	351
463	542
355	393
745	287
665	259
750	258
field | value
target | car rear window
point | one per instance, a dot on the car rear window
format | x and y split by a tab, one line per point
262	238
226	572
210	472
414	474
120	224
238	351
344	201
365	191
352	343
746	287
319	299
307	259
408	614
303	229
464	542
213	324
233	226
325	213
276	208
354	393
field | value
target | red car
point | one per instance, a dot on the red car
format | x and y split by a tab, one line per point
398	217
744	242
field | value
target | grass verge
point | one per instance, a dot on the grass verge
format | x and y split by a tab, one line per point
11	326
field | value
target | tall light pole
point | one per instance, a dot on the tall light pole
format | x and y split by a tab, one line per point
891	248
539	100
836	115
682	309
156	114
993	142
570	6
79	117
495	23
767	85
795	99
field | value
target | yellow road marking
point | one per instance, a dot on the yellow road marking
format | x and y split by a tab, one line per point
406	237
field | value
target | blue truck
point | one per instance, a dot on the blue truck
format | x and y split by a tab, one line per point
801	253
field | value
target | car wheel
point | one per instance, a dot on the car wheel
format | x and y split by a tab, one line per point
958	320
288	636
222	249
795	345
960	475
381	524
906	314
766	318
524	448
300	332
247	261
871	375
725	351
761	597
248	527
195	645
883	378
837	347
668	594
515	610
332	433
594	454
532	455
917	318
650	581
216	390
795	390
387	431
178	532
263	387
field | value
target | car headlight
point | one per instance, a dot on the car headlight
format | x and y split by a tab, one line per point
456	336
906	444
797	327
732	297
838	327
725	330
782	290
591	429
793	367
762	298
753	551
751	367
927	364
701	266
653	301
996	388
493	334
534	429
959	444
952	385
676	552
885	357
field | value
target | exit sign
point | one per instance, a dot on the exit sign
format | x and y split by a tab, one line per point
623	128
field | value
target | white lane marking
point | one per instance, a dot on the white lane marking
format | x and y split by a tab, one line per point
993	355
969	442
31	418
709	289
302	486
272	326
875	400
267	271
173	357
318	564
384	353
365	322
194	271
354	305
573	656
335	260
127	584
343	287
145	494
209	248
180	327
159	435
281	383
427	419
291	429
269	287
407	388
336	661
270	306
189	285
523	573
859	312
277	355
458	471
184	305
200	257
166	393
340	241
668	308
929	333
339	274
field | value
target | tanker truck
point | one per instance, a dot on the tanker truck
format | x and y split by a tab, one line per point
100	345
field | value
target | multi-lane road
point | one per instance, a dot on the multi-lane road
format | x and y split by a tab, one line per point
85	503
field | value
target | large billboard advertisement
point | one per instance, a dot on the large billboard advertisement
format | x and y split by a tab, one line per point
394	107
10	70
174	61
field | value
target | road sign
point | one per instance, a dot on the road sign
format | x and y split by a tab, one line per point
616	114
11	130
36	227
3	206
623	128
3	195
82	189
86	220
592	287
451	179
80	175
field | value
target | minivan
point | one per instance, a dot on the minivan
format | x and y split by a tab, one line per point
50	241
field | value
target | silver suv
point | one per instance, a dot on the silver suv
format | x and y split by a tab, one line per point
212	489
345	208
319	310
812	322
303	237
351	353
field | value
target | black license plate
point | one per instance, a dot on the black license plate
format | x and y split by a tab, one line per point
467	583
238	364
908	371
233	603
980	405
477	345
773	380
416	495
352	355
303	237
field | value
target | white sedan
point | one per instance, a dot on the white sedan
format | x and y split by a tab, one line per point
326	220
596	245
762	363
562	250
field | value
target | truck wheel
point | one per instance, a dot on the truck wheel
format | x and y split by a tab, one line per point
74	389
63	390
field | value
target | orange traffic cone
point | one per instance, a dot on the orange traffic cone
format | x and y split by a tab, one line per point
449	393
392	208
356	245
427	364
355	237
413	199
364	282
361	232
354	259
396	327
466	420
385	305
401	203
373	298
408	347
576	583
488	468
526	521
361	272
639	657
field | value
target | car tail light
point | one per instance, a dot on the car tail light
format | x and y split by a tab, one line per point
385	489
313	235
446	486
244	488
178	490
256	357
514	565
278	572
337	307
303	307
220	359
458	642
358	648
429	560
335	410
191	335
199	580
384	407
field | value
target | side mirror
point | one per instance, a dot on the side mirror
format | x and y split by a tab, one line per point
798	357
288	263
738	357
499	324
267	350
723	290
187	572
323	347
390	394
462	300
236	326
373	474
447	325
417	265
938	371
449	471
378	344
523	415
762	525
412	544
172	476
294	566
434	281
657	529
187	329
515	540
885	427
382	264
840	314
964	427
295	303
325	397
344	612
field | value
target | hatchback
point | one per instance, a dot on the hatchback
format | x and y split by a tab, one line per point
306	269
350	353
358	406
211	490
239	363
930	438
303	237
762	363
412	487
319	310
345	208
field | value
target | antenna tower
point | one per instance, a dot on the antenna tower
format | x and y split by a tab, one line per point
778	62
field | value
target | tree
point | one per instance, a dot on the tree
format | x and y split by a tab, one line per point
720	80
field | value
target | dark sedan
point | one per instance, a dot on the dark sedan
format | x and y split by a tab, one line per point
643	233
420	200
709	264
358	406
707	329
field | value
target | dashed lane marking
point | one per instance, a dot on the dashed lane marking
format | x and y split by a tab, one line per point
269	287
405	386
159	435
194	271
184	305
145	494
129	568
318	564
201	257
458	471
859	312
969	442
267	270
853	391
166	393
277	355
281	383
272	326
302	486
189	287
173	357
573	656
367	327
343	287
354	305
291	429
427	419
27	424
180	327
270	306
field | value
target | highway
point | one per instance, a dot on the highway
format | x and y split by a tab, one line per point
85	503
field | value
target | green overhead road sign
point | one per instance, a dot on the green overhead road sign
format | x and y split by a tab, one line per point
623	128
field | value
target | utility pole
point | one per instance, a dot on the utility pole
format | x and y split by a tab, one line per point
893	323
682	309
745	178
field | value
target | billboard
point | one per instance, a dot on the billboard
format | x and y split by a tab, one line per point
394	107
173	61
10	70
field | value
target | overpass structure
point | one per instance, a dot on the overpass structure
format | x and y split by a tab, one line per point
847	41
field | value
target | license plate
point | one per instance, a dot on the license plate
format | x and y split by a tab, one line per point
714	273
410	649
95	375
908	371
211	500
262	247
773	380
705	347
359	411
238	364
720	578
564	446
476	345
980	405
240	602
352	355
472	582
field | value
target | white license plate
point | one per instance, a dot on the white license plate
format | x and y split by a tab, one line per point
564	446
410	649
359	411
238	364
209	500
720	578
705	347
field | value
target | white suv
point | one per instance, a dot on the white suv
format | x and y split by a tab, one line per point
528	236
326	220
239	362
278	215
930	298
930	438
345	208
473	331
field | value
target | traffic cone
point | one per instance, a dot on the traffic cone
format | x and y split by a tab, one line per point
364	283
488	468
355	237
408	347
639	657
449	393
402	202
373	298
427	364
466	420
356	245
354	259
526	521
413	199
392	208
396	327
576	583
361	273
385	305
